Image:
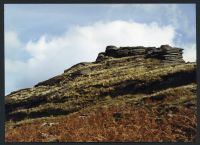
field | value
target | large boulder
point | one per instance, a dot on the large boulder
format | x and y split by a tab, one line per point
101	56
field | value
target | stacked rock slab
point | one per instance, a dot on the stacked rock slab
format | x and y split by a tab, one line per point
165	53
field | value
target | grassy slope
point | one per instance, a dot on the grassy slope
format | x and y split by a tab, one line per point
119	100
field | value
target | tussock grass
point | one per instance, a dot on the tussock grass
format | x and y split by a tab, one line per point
140	100
111	123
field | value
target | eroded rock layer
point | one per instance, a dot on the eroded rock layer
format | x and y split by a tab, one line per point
165	53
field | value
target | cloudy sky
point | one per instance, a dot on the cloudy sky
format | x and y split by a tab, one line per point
41	41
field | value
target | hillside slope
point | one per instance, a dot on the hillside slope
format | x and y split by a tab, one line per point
127	94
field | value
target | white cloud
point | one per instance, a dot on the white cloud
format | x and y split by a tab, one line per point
80	43
170	13
189	53
15	49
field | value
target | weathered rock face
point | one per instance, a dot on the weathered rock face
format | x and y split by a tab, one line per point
165	53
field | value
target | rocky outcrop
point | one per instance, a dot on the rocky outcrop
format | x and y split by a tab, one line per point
50	82
116	72
164	53
156	84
